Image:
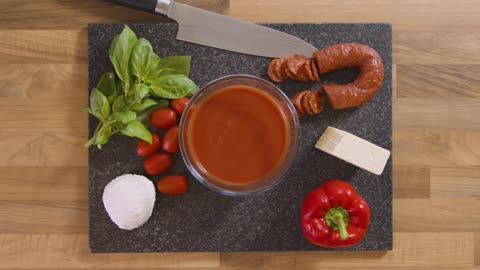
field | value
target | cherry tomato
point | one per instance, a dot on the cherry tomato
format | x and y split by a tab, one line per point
179	104
145	149
173	184
158	163
163	118
170	140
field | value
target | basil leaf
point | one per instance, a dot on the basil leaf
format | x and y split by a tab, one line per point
98	116
120	51
102	136
143	60
139	56
119	86
91	141
179	63
121	112
113	45
141	91
119	104
140	106
173	86
124	117
116	126
158	73
137	129
99	105
107	84
127	87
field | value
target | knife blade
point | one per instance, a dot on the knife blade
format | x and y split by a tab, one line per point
219	31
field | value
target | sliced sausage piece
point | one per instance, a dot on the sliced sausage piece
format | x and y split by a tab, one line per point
315	102
271	71
308	102
280	69
289	74
296	66
316	76
308	69
351	55
297	102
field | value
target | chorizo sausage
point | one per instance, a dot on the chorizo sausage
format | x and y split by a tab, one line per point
295	67
351	55
316	76
280	70
297	102
308	102
271	71
315	101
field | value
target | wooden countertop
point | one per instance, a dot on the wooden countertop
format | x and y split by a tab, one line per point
436	137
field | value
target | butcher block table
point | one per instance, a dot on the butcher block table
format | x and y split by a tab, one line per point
436	135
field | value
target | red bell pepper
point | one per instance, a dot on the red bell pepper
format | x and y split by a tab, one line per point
335	215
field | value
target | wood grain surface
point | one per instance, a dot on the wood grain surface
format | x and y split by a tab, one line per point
436	136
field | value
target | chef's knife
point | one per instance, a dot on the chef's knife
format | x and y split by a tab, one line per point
215	30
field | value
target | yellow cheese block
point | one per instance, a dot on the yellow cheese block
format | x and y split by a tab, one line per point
354	150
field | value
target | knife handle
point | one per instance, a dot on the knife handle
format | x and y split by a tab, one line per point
153	6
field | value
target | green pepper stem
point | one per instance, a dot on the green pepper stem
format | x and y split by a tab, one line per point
338	219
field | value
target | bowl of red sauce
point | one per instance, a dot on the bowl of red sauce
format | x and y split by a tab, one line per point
239	135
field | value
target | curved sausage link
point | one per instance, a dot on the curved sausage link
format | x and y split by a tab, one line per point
351	55
308	102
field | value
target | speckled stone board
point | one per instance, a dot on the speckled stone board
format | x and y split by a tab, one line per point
202	220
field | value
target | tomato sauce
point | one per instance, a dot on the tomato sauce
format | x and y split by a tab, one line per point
238	134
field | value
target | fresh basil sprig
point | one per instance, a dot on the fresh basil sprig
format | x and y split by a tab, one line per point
121	103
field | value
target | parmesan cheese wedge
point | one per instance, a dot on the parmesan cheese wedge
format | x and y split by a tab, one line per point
354	150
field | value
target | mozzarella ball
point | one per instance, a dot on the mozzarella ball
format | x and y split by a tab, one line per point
129	200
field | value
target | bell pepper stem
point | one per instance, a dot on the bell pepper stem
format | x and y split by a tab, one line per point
338	219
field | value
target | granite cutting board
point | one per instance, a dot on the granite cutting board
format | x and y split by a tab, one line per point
202	220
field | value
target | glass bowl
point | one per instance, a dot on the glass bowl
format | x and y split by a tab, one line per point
276	174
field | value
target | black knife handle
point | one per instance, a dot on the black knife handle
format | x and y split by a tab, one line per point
153	6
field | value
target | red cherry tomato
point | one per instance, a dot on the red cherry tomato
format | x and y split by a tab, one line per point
170	140
173	184
179	104
163	118
145	149
158	163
